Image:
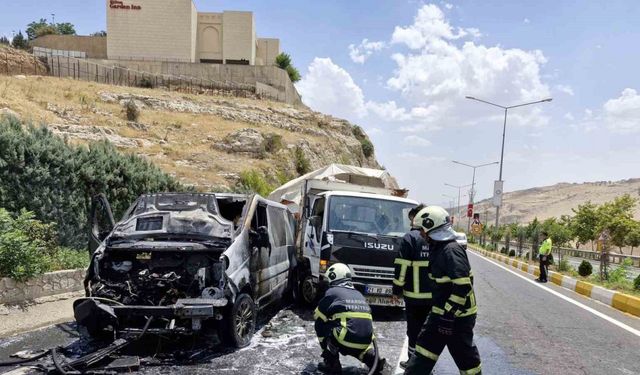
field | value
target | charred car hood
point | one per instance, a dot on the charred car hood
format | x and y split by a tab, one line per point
194	222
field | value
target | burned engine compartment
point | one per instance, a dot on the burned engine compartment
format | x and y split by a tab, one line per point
157	278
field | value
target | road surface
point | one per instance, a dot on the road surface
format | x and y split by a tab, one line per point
523	328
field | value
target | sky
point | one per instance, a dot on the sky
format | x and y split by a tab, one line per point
402	70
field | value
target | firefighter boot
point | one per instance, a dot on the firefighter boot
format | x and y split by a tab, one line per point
330	364
369	359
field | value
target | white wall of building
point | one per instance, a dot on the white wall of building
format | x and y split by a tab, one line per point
160	30
238	36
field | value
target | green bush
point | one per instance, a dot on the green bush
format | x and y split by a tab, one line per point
564	266
253	181
28	248
67	259
42	173
585	269
21	252
367	148
272	143
621	272
303	166
636	283
146	83
131	111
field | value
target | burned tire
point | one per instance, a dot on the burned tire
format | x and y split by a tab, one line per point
308	291
240	322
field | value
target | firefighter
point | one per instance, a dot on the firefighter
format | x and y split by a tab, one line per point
453	315
344	324
411	280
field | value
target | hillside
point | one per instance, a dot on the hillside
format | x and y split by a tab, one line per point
523	206
206	141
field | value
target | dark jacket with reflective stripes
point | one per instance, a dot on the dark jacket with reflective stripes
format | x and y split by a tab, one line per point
411	277
344	314
450	269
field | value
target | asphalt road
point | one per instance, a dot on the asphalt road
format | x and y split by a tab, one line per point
522	329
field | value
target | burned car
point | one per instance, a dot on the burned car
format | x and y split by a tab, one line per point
186	263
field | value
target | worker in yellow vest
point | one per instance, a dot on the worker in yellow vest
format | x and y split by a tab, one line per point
543	254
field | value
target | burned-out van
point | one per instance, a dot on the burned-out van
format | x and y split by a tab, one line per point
183	263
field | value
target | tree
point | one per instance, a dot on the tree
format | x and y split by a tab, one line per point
39	28
559	231
633	237
283	61
617	218
65	28
5	41
99	33
19	41
42	27
584	223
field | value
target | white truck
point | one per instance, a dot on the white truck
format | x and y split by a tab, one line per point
351	215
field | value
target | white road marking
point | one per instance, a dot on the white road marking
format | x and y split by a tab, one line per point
585	307
404	355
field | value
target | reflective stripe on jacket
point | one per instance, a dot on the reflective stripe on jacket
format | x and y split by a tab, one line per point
411	274
345	314
450	269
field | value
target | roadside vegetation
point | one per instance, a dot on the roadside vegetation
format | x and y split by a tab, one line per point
56	181
29	247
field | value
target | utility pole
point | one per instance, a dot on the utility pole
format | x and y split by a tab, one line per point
459	192
472	192
53	19
504	130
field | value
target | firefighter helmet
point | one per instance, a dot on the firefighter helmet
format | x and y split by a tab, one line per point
431	218
337	273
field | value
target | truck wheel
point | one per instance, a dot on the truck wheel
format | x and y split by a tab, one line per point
308	291
240	322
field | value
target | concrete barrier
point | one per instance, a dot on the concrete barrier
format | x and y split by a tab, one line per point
48	284
620	301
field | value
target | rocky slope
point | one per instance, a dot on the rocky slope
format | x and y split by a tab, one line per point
206	141
523	206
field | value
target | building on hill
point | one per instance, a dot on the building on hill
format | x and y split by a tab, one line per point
174	31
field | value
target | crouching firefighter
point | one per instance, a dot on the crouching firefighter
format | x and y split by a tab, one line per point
453	315
412	281
344	323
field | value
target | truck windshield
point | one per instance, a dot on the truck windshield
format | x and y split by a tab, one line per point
369	215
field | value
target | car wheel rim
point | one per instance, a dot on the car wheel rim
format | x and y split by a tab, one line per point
244	320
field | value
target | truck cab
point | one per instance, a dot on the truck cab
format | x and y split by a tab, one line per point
361	230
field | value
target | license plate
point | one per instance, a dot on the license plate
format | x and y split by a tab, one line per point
378	289
384	301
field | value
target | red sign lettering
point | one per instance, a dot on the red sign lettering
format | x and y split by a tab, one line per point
119	4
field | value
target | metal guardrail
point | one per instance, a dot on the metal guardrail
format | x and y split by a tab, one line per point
585	254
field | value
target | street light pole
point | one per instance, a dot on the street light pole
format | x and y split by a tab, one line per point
504	130
472	193
459	190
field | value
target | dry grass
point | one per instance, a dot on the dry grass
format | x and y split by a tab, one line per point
187	152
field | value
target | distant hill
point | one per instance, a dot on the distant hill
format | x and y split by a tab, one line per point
522	206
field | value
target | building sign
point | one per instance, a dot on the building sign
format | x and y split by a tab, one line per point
118	4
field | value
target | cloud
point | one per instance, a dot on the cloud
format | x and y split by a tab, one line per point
569	116
388	111
622	114
429	27
414	140
360	53
565	89
526	20
448	6
442	66
326	87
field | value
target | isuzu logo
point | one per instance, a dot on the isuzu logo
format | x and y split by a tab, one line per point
378	246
